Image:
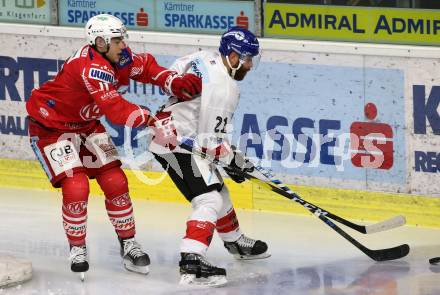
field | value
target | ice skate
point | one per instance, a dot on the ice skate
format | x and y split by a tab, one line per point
435	261
78	260
246	248
133	257
196	270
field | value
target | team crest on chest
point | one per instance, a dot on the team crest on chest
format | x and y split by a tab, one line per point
90	112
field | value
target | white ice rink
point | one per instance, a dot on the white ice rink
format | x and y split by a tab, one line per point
307	256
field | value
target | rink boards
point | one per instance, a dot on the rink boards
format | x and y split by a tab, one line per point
308	113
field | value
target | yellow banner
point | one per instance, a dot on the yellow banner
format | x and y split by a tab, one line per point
347	23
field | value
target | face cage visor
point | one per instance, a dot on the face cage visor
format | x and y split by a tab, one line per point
123	35
254	60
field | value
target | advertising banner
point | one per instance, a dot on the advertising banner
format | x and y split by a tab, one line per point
135	14
26	11
335	120
358	24
324	128
163	15
424	123
326	121
204	16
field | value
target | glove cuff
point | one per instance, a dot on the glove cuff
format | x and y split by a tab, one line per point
168	82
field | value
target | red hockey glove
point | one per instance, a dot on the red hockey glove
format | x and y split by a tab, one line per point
165	133
184	86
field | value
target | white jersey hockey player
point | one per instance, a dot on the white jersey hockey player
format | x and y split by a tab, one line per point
208	118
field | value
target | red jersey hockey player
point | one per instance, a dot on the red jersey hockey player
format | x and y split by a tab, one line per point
72	145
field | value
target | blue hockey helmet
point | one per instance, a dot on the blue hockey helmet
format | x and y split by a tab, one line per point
241	41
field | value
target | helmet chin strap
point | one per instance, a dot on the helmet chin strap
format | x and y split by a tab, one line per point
108	44
233	70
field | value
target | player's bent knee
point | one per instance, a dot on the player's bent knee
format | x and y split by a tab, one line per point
211	201
76	186
113	181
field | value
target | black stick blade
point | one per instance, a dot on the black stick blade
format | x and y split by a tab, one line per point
389	253
435	261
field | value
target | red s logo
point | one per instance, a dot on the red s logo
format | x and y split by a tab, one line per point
142	18
371	143
242	21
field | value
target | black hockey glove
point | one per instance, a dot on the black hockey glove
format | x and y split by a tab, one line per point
238	166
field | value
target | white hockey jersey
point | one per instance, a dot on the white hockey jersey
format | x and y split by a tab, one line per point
209	116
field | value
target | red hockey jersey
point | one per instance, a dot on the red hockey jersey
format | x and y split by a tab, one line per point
86	88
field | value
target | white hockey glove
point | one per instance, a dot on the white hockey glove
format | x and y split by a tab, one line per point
165	133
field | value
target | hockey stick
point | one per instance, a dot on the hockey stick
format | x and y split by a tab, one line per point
276	186
377	255
384	225
365	229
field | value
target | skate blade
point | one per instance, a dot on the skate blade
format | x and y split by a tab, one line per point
137	269
251	257
212	281
82	276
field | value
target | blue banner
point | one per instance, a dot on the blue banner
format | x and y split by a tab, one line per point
162	15
325	121
135	14
204	16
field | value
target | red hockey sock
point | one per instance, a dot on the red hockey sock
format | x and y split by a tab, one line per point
201	231
227	223
114	184
75	195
